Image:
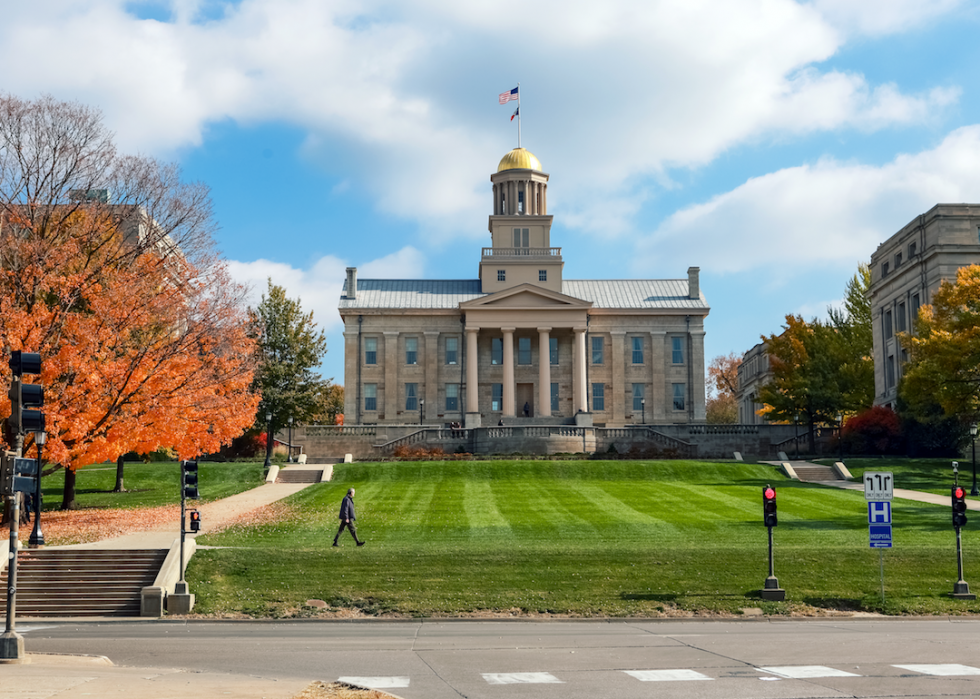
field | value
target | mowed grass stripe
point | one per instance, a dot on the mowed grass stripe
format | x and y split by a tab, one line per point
482	513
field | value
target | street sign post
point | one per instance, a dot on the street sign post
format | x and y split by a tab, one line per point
878	485
879	489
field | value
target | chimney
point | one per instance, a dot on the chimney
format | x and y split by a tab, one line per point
693	283
351	283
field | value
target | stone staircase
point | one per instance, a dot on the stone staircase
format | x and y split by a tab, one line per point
81	582
814	472
299	475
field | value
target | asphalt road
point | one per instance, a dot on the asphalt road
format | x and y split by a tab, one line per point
568	659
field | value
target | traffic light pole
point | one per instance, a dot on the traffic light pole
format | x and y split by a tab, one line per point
11	642
771	590
961	589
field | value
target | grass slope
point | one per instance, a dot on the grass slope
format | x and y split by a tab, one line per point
587	538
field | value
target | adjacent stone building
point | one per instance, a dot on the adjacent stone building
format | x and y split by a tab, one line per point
754	372
520	342
906	270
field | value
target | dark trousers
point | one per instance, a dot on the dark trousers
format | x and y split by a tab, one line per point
350	526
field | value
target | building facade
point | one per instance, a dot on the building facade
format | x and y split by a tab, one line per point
754	372
906	270
520	342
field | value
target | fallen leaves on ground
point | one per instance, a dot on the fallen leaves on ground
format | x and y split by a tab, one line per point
339	690
267	514
65	527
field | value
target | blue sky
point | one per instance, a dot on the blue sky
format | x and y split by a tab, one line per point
772	143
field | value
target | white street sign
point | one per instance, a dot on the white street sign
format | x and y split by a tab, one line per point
878	485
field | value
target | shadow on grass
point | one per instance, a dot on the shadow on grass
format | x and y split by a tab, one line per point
837	604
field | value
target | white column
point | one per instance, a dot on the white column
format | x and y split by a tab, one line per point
391	375
508	388
578	371
544	372
472	389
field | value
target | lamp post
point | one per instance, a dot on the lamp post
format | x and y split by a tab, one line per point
796	436
643	410
840	434
421	405
37	536
289	456
268	440
973	441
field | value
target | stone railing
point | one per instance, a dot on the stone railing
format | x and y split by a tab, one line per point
723	429
429	435
647	434
522	252
338	431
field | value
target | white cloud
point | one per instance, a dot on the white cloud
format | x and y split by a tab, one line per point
388	91
878	17
827	214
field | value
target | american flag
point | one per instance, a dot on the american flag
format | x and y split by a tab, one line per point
506	97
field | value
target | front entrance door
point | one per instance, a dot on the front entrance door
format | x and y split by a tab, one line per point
525	396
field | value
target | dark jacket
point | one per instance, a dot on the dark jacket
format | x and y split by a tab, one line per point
347	508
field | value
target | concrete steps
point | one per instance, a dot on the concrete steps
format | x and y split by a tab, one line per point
816	473
82	582
304	475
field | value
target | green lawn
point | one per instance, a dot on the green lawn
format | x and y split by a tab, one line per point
579	537
927	475
150	485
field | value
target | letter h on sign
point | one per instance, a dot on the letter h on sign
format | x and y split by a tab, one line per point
879	512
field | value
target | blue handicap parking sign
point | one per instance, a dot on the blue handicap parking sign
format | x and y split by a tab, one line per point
880	536
879	512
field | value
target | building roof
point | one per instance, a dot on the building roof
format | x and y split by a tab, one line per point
640	294
519	159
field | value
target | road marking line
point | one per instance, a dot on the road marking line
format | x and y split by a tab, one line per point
946	670
666	675
521	678
376	682
803	672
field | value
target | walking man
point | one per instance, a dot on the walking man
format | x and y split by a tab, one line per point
347	518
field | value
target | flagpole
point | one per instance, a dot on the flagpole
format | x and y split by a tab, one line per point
518	115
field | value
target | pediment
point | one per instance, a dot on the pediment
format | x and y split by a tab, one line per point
526	296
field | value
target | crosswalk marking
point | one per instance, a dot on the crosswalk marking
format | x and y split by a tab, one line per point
802	672
666	675
376	682
946	670
520	678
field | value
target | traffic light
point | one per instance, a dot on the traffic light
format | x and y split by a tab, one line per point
959	506
188	478
23	396
16	474
769	506
195	520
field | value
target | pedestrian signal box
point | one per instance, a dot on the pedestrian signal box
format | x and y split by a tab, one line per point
195	520
769	506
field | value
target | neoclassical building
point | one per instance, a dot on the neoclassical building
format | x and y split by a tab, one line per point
520	343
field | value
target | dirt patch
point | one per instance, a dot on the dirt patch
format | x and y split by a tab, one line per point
339	690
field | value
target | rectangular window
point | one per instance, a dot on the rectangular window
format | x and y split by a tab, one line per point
554	398
898	260
597	346
497	397
452	350
888	324
553	350
912	248
677	350
411	396
521	238
678	396
598	396
523	350
411	350
638	397
452	397
884	269
370	396
890	371
370	350
501	275
496	350
542	275
901	317
905	357
637	350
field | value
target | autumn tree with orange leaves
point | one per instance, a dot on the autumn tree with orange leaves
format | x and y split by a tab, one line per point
107	270
722	387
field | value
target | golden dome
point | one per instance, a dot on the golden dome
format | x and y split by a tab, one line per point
519	159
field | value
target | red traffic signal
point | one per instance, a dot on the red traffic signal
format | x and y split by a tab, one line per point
195	520
769	506
959	506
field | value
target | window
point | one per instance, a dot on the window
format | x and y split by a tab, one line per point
452	350
411	350
501	275
905	356
637	350
898	260
523	350
542	275
915	306
884	269
554	398
888	324
890	371
912	248
497	350
520	201
521	238
370	396
370	350
598	396
497	397
597	345
553	350
901	317
638	395
411	396
677	350
452	397
678	396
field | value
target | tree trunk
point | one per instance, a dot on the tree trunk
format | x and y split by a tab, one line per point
120	465
68	500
